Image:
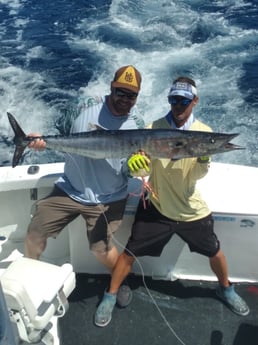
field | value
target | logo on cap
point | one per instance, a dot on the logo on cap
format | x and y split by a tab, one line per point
128	77
183	89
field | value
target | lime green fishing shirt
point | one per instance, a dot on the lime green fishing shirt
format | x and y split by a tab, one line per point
174	182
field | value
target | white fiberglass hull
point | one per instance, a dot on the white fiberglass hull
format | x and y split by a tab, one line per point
230	190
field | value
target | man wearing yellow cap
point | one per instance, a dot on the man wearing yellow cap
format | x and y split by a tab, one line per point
96	189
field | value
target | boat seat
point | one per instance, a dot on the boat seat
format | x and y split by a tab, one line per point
35	291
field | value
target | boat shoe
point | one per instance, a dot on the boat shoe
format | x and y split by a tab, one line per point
124	296
104	311
232	300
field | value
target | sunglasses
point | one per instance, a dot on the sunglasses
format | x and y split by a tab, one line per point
182	101
129	95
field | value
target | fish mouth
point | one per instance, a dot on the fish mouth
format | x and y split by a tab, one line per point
230	146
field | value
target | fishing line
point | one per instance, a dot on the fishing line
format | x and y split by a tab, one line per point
101	207
143	280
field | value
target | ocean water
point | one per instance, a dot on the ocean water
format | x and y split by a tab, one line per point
52	50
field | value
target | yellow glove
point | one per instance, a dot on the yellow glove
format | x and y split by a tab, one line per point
139	164
204	159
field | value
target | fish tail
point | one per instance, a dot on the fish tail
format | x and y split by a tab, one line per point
19	140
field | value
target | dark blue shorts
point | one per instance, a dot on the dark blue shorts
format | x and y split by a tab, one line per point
151	231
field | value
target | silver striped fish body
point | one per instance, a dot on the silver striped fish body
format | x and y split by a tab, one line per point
157	143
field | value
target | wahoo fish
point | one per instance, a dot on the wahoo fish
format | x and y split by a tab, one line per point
157	143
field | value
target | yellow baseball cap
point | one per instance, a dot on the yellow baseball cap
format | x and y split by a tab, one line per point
127	77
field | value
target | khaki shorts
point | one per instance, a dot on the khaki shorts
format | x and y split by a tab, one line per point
57	210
